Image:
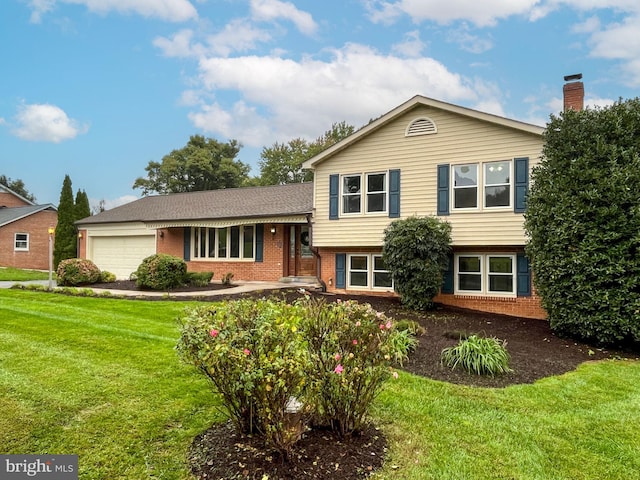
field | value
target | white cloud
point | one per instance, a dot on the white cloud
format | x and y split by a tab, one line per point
2	121
237	36
284	99
591	24
469	42
270	10
411	46
170	10
110	203
179	45
46	123
485	13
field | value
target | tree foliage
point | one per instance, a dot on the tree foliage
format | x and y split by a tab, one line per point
415	251
82	208
65	241
282	162
17	186
202	164
583	220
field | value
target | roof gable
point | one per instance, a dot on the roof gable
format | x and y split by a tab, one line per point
409	105
13	214
6	190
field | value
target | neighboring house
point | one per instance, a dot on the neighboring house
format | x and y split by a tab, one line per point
24	237
427	157
258	233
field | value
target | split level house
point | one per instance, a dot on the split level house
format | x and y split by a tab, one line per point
424	157
24	231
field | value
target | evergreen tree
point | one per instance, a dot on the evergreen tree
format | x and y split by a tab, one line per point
83	210
65	241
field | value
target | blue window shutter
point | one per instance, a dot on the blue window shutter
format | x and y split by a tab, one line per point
524	276
259	242
341	270
187	244
521	184
443	189
447	277
394	193
334	194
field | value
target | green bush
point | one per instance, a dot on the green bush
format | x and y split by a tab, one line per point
107	277
415	251
77	271
161	272
254	354
478	355
583	222
198	279
352	350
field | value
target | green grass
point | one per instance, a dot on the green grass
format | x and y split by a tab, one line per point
19	275
100	378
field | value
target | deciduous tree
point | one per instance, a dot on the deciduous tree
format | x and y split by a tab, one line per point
17	186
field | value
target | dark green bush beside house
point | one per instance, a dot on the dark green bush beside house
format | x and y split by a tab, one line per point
583	220
161	272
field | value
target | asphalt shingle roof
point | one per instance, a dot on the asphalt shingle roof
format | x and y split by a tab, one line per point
269	201
11	214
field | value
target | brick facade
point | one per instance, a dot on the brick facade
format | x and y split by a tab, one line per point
9	200
36	225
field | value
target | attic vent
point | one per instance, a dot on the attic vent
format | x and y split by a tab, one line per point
421	126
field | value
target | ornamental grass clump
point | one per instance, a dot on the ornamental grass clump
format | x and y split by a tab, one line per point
257	359
352	348
478	355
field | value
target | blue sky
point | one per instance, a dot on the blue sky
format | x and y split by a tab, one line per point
98	88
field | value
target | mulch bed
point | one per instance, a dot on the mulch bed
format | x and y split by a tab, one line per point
535	353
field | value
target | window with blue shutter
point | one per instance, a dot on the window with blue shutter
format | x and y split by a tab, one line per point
523	276
341	270
443	189
259	242
394	193
334	196
521	175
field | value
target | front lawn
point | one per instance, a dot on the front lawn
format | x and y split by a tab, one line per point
20	275
100	378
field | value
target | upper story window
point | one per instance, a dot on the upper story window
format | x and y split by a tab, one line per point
236	242
373	197
21	242
491	179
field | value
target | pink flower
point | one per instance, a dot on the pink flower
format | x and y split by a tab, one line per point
339	369
395	375
358	323
388	325
246	351
337	357
214	333
382	326
355	342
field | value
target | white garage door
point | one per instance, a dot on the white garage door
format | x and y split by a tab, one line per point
121	255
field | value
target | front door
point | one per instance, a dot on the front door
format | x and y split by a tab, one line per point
301	260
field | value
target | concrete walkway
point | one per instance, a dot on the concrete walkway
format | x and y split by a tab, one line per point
239	287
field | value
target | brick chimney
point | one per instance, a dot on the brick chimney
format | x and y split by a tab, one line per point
573	92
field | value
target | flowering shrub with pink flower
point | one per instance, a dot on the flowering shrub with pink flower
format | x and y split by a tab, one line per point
352	348
276	365
256	357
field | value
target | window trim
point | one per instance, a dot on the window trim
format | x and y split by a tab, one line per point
197	241
370	273
454	187
16	248
485	185
484	274
364	193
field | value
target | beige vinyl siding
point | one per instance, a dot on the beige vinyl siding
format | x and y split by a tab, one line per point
460	139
